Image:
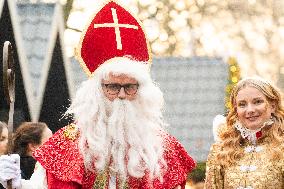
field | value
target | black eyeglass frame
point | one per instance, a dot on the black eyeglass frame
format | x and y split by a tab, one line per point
126	87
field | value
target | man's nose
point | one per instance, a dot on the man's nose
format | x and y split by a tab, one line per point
121	94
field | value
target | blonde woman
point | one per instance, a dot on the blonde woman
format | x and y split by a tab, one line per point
249	152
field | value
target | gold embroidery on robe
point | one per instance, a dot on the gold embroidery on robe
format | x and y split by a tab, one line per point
102	181
71	132
254	170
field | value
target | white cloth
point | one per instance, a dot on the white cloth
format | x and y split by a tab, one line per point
218	121
38	179
10	169
112	182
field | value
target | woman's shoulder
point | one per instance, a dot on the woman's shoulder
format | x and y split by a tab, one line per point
215	149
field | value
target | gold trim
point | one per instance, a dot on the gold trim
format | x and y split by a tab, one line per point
101	180
79	46
71	132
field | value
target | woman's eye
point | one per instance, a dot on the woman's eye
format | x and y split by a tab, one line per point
259	101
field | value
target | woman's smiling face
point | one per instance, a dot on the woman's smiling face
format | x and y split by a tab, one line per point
253	109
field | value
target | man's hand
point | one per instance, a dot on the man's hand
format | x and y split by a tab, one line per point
10	169
178	187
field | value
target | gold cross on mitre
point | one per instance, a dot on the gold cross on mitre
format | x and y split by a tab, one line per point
116	27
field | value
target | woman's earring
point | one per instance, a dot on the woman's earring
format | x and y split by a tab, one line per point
270	121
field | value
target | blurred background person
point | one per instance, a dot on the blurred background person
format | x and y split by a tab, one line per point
196	178
3	141
28	137
3	138
249	152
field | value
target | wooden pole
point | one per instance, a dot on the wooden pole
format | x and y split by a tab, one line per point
9	91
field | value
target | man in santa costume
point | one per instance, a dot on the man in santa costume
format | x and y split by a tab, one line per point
117	140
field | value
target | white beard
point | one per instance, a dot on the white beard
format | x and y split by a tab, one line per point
121	135
125	138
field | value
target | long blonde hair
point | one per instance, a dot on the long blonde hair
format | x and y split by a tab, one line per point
231	140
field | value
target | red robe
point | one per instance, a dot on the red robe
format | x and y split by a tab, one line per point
64	164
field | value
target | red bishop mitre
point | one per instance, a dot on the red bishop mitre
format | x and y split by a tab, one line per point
112	32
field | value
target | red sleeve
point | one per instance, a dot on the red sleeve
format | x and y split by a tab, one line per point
179	162
59	153
54	183
183	185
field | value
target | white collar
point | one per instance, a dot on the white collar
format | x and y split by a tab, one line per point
251	134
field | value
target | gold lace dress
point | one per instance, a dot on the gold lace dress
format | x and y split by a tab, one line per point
253	171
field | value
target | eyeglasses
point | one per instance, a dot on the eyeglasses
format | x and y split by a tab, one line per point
114	88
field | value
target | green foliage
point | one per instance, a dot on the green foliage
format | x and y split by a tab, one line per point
198	174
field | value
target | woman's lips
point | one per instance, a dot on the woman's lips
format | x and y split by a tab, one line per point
252	118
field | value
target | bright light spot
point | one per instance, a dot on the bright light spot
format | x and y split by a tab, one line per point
76	20
233	68
251	2
152	9
143	15
234	79
200	2
172	25
256	40
63	2
267	23
159	16
146	2
164	36
186	50
159	48
173	13
172	40
282	70
180	5
207	29
184	14
71	40
185	35
180	22
152	29
160	4
281	31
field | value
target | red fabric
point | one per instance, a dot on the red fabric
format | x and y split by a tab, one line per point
61	158
258	134
99	44
179	165
54	183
